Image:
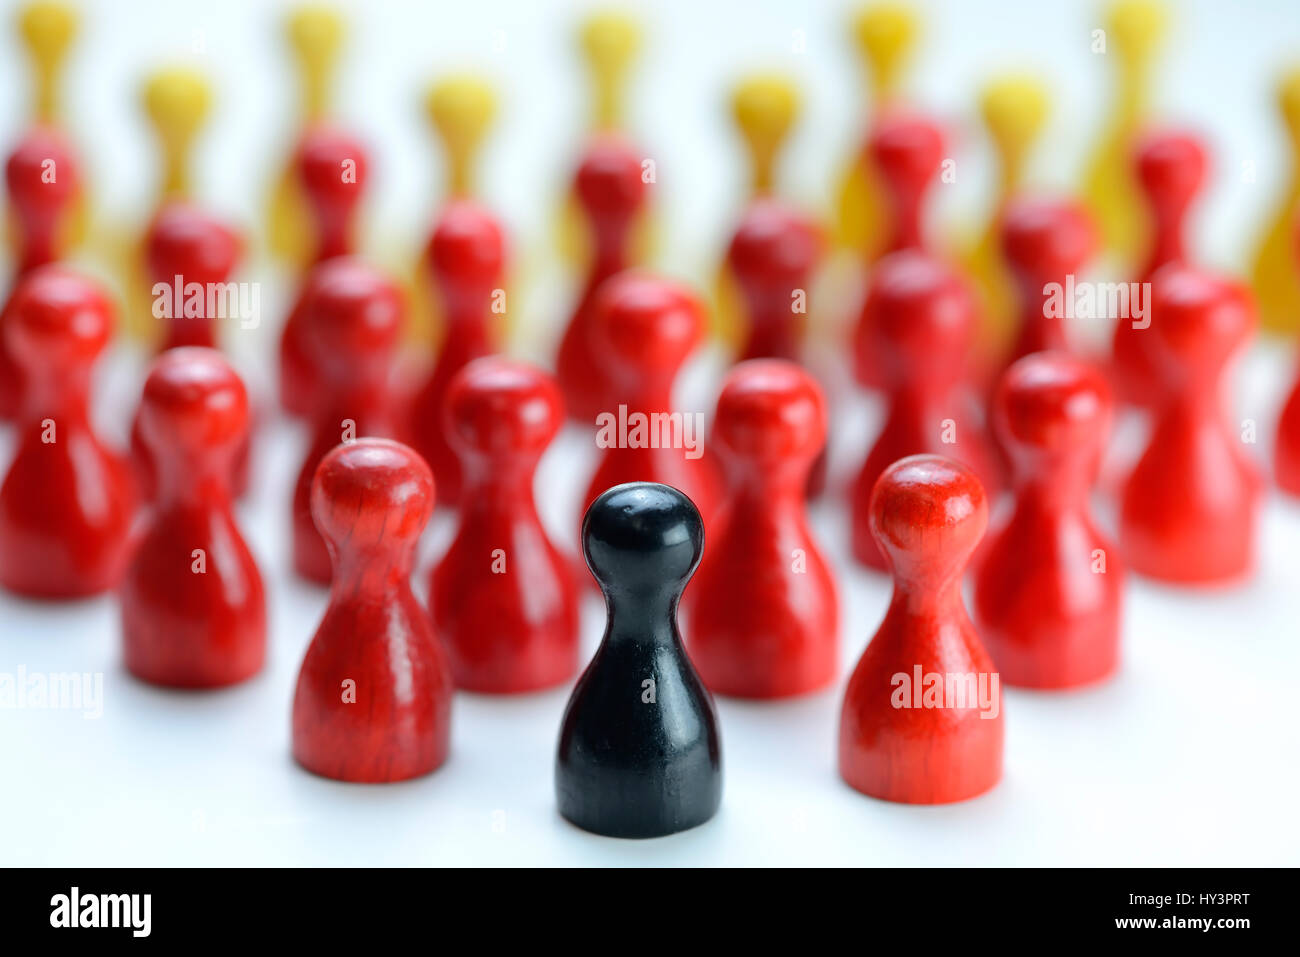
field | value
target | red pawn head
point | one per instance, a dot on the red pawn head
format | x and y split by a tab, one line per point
353	317
183	629
56	541
371	500
917	322
1045	242
611	190
907	150
467	254
503	597
764	625
332	166
773	253
643	329
186	245
905	735
1048	612
1189	509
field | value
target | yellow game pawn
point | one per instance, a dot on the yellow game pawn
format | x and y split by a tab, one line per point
461	109
177	101
47	31
609	42
1133	33
1274	273
765	108
885	35
1014	109
315	38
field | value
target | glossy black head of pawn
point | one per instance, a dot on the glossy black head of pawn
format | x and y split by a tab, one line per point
642	539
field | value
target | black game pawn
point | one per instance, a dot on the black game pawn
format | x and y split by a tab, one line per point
639	753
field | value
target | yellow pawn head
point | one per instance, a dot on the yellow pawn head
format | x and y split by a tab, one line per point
1275	273
461	109
177	101
885	35
47	30
315	35
610	42
765	107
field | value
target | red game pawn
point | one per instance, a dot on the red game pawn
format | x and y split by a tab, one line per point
1049	585
612	194
352	317
373	701
1188	512
467	258
66	504
504	599
922	715
41	179
765	620
1171	170
907	150
332	167
920	319
193	607
186	245
1046	243
1286	456
773	255
643	328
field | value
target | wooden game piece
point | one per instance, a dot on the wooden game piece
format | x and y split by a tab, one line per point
47	31
772	256
610	42
639	752
918	322
1170	168
66	503
314	34
643	329
922	715
193	607
503	598
1286	450
1273	274
41	181
764	619
885	35
466	258
185	245
461	108
907	150
1014	108
611	192
332	171
352	317
1133	33
1049	585
764	107
177	102
373	701
1045	242
1188	511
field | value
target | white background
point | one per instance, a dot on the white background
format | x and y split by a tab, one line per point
1188	757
